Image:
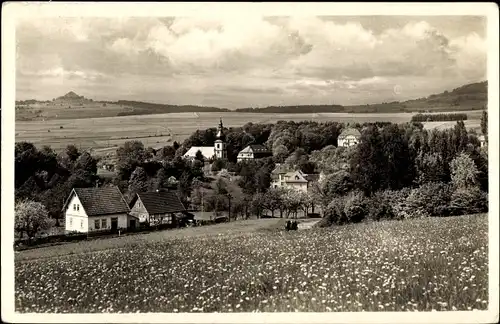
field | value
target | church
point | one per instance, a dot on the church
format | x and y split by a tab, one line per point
217	151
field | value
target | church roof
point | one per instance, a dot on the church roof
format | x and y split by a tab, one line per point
207	151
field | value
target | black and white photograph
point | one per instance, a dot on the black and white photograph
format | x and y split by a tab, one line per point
250	162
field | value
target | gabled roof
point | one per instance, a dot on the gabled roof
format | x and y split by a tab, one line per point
350	132
280	169
207	151
160	202
100	201
256	148
295	176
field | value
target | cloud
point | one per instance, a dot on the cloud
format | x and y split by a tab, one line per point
255	60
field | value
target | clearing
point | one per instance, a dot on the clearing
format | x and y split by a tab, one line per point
423	264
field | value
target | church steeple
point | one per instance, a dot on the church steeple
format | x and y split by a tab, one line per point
220	130
220	146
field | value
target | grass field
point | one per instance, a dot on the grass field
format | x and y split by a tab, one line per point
418	265
105	134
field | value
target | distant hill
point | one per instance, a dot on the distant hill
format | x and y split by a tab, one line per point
468	97
146	108
71	105
71	96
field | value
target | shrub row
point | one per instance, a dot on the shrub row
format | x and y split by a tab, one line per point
430	199
438	117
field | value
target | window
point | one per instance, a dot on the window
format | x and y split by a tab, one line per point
78	207
81	224
70	222
74	206
97	224
104	224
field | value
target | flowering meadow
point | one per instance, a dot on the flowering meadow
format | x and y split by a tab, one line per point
415	265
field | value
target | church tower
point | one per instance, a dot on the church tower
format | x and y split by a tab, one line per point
220	145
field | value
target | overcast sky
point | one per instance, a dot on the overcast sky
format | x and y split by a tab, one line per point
249	61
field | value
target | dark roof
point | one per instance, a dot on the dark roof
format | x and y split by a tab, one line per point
256	148
101	201
312	177
160	202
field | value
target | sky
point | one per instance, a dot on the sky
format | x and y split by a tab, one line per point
251	61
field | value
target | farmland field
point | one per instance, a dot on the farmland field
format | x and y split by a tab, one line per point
416	265
105	134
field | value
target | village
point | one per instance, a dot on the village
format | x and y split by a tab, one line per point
105	209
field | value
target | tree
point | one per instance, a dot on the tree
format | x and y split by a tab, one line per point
72	152
199	156
280	153
30	218
368	164
484	123
129	156
86	163
218	165
464	171
138	182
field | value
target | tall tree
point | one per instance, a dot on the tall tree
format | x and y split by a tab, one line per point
368	164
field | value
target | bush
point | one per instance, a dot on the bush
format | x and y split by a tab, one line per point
355	207
387	204
334	212
430	199
468	201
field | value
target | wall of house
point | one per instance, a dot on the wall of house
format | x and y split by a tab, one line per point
158	219
122	221
245	156
349	140
302	186
139	211
75	216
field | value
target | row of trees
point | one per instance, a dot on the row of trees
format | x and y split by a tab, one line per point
438	117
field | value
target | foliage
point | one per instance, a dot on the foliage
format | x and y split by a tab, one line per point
355	207
484	123
464	171
30	218
468	201
430	199
438	117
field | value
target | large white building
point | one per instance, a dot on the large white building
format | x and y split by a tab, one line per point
218	151
348	137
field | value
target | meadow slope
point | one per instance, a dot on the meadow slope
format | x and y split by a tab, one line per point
424	264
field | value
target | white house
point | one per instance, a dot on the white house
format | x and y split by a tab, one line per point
348	137
96	209
298	180
252	152
218	151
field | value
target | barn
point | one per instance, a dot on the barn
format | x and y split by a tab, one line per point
157	208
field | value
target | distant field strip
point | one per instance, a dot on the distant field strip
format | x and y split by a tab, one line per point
160	130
